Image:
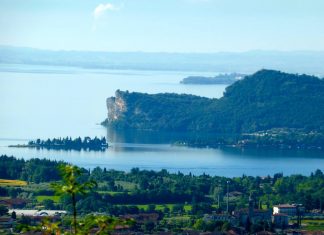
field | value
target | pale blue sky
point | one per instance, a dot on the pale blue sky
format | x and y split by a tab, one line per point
163	25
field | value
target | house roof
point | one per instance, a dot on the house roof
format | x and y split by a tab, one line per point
14	201
142	216
5	219
51	213
246	211
285	206
280	214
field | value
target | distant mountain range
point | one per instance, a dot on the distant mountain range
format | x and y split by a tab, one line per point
310	62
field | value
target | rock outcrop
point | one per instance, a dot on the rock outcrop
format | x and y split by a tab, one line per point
116	106
143	111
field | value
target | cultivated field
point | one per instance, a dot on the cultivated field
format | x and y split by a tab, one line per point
5	182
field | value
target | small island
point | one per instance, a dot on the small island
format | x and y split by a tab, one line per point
67	143
227	78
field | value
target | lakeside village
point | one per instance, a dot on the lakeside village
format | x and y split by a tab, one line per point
37	194
282	219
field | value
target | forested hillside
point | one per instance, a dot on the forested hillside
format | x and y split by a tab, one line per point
265	100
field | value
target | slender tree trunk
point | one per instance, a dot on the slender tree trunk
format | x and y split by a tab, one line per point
74	213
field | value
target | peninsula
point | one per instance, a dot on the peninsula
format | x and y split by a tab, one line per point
227	78
67	143
266	102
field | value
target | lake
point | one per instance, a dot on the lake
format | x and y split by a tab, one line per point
48	101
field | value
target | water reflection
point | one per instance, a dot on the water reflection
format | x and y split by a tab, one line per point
272	153
159	142
165	137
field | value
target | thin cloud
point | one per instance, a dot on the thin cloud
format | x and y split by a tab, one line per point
100	11
200	1
102	8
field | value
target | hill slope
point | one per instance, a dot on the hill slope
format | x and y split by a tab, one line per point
265	100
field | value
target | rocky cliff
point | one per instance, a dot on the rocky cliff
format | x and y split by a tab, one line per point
166	111
116	106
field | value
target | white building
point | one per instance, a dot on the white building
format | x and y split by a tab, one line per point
50	213
288	209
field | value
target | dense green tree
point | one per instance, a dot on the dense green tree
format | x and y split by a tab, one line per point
3	210
48	204
14	215
71	186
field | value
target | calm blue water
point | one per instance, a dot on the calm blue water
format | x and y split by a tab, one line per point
47	102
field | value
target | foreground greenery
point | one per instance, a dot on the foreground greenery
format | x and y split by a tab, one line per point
71	186
179	200
142	187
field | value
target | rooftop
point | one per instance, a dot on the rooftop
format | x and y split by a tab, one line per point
286	206
37	212
280	214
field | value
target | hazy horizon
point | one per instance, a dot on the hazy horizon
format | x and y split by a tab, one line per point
309	62
165	52
170	26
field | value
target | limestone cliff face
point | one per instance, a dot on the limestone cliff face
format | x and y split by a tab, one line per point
143	111
116	107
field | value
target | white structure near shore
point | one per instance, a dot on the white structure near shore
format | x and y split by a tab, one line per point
50	213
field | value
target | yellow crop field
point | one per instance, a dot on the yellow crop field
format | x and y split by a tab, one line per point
5	182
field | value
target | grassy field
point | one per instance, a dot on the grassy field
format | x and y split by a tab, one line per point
56	199
313	225
160	207
4	198
4	182
112	192
126	185
174	219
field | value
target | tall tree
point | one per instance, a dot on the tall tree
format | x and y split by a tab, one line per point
71	185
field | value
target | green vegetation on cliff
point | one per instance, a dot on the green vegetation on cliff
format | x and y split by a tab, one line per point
155	112
265	100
